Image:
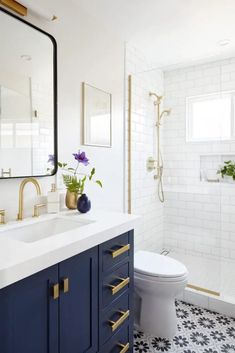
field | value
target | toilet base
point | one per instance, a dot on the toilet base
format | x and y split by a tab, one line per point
158	316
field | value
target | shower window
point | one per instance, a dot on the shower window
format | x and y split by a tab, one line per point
210	117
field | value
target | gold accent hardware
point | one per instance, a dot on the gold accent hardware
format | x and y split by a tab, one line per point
6	173
65	285
21	194
56	291
2	216
116	324
159	162
15	6
129	142
37	208
116	253
204	290
125	347
124	282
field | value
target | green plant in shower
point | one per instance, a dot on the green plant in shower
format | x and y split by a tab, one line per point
228	169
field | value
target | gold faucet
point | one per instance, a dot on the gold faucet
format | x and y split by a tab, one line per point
21	193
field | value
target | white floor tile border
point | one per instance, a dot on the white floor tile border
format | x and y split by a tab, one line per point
207	301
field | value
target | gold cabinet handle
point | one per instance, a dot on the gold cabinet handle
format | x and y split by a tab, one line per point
116	324
56	291
122	250
125	347
124	282
65	285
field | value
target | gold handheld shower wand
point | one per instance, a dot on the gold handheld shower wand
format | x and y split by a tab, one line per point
159	166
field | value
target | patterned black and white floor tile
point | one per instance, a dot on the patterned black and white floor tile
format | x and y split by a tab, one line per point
199	331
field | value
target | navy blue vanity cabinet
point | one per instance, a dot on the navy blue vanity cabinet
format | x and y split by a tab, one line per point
116	295
78	315
81	305
29	315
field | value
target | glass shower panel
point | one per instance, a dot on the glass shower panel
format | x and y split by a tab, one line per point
192	211
227	185
196	223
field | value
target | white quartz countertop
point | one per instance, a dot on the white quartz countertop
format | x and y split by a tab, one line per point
19	259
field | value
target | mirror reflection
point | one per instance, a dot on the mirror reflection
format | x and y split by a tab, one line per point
27	111
96	116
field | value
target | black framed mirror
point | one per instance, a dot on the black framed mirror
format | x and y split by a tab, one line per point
28	99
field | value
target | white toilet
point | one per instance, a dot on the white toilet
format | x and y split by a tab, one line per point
158	280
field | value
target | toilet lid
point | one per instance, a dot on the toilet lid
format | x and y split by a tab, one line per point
153	264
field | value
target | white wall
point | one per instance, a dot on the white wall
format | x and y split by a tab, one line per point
86	52
149	233
198	216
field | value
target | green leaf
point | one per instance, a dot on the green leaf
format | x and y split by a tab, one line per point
99	183
60	164
92	173
228	169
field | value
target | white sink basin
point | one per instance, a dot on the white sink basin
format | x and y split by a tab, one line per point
31	233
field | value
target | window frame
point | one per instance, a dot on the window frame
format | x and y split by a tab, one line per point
189	117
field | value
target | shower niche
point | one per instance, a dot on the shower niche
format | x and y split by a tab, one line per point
209	166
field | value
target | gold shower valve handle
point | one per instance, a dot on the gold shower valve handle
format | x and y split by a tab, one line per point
151	164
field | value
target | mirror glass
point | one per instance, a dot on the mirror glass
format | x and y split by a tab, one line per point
27	99
96	117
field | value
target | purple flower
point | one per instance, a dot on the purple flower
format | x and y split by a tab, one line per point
81	158
51	159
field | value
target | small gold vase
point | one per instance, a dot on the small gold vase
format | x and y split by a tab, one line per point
71	200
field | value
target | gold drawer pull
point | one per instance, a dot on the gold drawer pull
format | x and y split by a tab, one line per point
125	347
56	291
124	282
65	285
116	253
116	324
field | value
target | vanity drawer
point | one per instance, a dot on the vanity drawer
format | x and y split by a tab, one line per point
114	318
114	284
120	342
114	251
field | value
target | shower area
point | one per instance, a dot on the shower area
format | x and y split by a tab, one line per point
180	132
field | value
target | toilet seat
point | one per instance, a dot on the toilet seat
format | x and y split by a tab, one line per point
158	266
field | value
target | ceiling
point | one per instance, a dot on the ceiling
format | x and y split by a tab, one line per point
168	32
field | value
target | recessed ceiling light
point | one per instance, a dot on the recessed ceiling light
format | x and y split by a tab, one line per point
224	42
26	57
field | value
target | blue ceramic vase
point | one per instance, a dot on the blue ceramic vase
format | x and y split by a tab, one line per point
84	204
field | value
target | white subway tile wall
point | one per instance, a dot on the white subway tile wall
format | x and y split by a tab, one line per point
199	217
149	234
